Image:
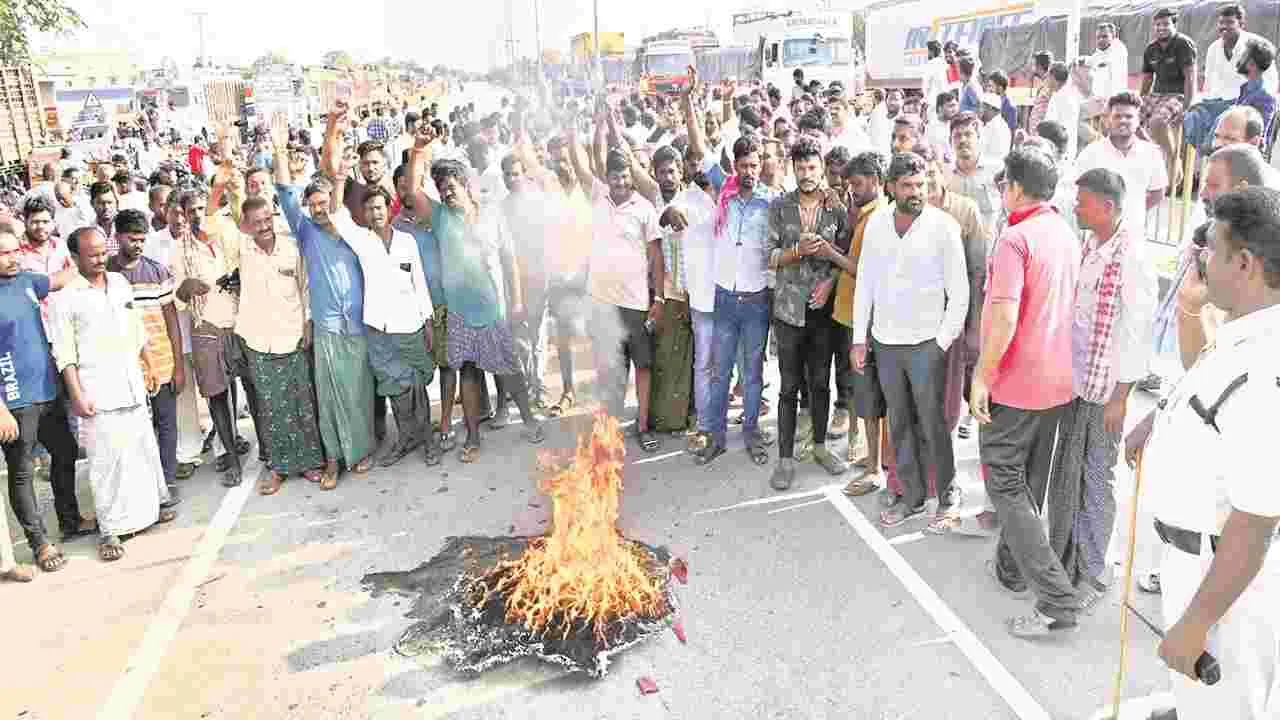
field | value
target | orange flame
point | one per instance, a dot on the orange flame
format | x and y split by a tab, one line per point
584	571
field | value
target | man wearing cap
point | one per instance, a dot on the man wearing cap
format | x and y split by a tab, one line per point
996	136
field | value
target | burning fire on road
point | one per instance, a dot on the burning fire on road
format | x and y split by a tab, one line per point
574	597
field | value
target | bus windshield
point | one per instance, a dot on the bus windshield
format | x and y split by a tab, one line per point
797	52
672	64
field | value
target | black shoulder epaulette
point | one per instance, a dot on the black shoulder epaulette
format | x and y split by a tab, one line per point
1210	415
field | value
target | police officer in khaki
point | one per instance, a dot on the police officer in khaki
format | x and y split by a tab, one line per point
1211	479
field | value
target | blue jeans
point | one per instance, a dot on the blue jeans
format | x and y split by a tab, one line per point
739	317
703	369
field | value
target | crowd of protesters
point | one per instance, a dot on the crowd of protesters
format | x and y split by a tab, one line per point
933	258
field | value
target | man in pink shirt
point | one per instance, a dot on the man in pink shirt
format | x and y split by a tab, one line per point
1023	382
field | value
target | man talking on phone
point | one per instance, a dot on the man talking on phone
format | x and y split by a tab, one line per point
1216	508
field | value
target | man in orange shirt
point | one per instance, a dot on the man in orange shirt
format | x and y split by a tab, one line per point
864	195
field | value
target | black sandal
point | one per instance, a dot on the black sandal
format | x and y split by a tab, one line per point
757	448
232	477
446	441
50	559
110	549
649	441
709	453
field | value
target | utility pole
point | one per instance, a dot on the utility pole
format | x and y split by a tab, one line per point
595	43
200	15
511	41
537	38
1073	33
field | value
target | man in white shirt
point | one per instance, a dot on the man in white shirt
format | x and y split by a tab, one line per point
934	77
1220	569
996	136
397	304
912	293
843	131
880	124
1221	77
1064	105
938	131
1140	162
798	88
1109	64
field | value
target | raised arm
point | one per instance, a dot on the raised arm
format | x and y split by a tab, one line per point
280	148
581	167
727	94
420	158
331	151
599	141
697	132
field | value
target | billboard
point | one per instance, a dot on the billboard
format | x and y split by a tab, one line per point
611	44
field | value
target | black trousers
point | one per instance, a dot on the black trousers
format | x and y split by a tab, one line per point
841	339
45	423
1016	448
913	378
804	360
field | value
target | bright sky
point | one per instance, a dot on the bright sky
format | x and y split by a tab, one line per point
464	34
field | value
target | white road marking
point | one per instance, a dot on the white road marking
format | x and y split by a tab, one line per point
769	500
908	538
129	690
318	523
997	675
936	641
819	501
656	458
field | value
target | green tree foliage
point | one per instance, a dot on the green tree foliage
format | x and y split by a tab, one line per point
20	18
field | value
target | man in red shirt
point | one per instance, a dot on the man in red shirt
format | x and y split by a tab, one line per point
1023	382
195	157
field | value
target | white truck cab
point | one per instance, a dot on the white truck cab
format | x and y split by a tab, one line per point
819	43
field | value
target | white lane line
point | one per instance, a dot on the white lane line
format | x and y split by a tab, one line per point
908	538
936	641
318	523
129	690
769	500
999	677
819	501
656	458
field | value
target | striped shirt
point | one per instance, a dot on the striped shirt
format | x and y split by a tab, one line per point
152	291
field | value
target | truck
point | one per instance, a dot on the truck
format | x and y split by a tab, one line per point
662	65
897	52
22	128
820	43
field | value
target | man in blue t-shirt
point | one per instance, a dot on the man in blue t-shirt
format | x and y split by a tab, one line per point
31	411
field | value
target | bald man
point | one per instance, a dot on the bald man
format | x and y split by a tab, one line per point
1243	124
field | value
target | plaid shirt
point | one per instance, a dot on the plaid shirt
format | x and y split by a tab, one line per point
797	281
1107	295
377	129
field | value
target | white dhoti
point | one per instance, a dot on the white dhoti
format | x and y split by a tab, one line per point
1246	641
193	418
124	469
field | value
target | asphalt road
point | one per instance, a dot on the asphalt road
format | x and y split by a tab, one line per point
797	607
